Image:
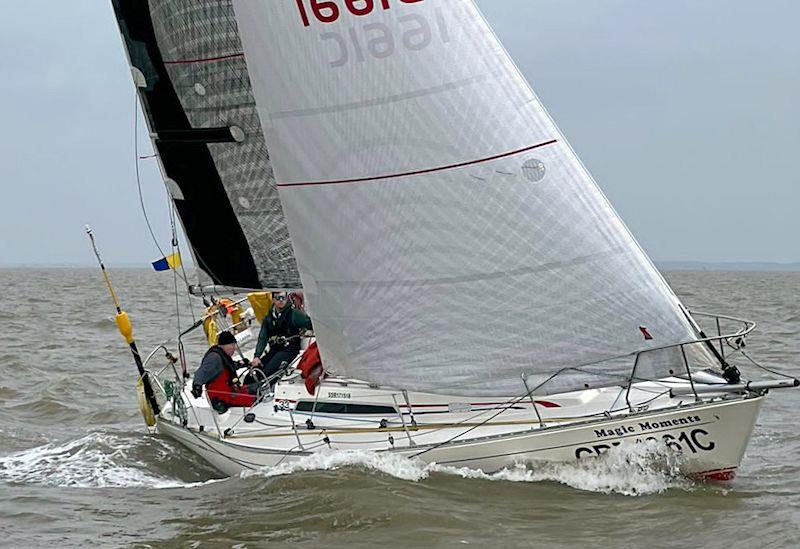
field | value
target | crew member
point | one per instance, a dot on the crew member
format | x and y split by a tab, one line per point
218	373
281	328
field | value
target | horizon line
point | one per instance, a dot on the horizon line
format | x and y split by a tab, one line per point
674	264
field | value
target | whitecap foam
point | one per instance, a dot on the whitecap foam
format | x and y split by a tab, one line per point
324	460
96	460
631	470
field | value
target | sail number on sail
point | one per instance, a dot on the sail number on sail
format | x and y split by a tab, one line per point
412	32
328	11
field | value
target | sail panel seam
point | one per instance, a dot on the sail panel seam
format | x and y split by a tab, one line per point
205	59
381	100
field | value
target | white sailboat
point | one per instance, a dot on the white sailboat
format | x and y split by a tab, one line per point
476	300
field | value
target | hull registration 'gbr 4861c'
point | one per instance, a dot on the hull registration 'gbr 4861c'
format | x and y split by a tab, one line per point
476	300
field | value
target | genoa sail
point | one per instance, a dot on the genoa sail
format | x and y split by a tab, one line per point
193	83
447	236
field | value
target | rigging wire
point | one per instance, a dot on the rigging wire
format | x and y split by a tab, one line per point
174	243
201	263
170	208
579	369
139	177
511	402
178	247
757	365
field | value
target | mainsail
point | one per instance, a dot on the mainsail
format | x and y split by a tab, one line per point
447	236
188	65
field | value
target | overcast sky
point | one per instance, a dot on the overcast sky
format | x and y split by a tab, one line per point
687	113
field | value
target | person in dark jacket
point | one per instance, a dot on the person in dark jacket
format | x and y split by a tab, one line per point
218	373
281	328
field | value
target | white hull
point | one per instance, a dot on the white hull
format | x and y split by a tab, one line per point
710	436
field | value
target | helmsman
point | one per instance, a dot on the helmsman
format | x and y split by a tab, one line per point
218	373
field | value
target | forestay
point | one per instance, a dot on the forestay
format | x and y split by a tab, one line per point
447	236
189	68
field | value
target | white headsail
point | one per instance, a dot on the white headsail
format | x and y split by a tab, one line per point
447	236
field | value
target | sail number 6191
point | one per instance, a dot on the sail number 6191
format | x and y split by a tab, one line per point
328	11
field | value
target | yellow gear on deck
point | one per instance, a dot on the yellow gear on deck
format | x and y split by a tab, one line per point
144	404
261	302
210	329
210	326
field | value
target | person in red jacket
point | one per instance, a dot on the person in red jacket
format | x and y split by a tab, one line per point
218	373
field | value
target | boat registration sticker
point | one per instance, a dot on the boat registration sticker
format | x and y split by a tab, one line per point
459	407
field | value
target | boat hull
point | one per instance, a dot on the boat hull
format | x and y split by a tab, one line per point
709	439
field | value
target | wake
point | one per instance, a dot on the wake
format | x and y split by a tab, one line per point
104	460
631	470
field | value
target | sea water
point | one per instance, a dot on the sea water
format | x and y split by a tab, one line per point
78	468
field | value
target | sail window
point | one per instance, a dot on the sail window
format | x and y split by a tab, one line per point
344	408
533	169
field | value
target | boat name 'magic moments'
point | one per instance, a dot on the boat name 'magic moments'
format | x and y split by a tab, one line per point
646	426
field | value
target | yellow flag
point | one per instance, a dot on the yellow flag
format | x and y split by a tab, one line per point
174	260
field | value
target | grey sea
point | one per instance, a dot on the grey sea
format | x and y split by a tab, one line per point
78	468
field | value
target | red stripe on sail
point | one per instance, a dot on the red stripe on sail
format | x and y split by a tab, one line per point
418	172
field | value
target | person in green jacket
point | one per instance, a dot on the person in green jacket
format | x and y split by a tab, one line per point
281	328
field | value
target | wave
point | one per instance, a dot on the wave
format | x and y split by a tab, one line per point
9	393
96	460
631	470
105	460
